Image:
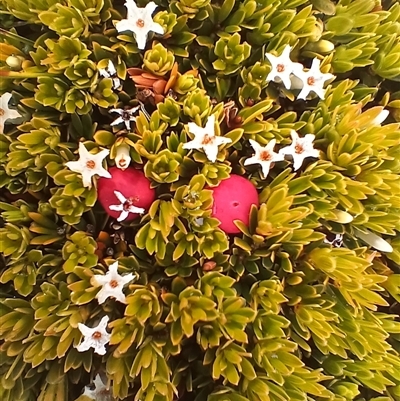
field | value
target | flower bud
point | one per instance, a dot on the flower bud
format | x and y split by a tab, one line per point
123	158
14	62
322	46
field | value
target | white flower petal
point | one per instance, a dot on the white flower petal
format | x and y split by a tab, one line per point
126	279
4	99
86	331
84	346
255	145
220	140
297	161
157	28
304	93
124	214
102	296
120	296
211	152
150	8
141	38
210	124
136	210
119	120
251	160
104	73
116	82
120	197
75	166
123	25
100	279
119	111
265	167
116	208
103	323
286	81
100	349
99	157
111	68
87	179
102	172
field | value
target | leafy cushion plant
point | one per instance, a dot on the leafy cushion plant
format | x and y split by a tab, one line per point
200	200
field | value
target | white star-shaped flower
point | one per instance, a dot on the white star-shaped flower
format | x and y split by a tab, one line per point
300	149
313	80
337	242
125	207
205	138
100	391
264	156
110	72
126	116
112	284
5	112
140	22
94	337
282	67
123	157
88	165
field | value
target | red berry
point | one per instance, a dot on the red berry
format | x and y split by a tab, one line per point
233	198
132	184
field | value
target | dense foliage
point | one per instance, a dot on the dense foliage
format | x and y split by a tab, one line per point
302	305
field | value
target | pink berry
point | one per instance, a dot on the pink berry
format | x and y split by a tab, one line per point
132	184
233	198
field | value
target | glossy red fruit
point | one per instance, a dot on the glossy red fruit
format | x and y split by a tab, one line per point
233	198
132	184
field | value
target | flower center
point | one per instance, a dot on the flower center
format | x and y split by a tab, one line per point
126	116
280	68
299	148
90	164
113	283
2	112
128	203
265	156
122	163
207	139
311	81
96	335
140	23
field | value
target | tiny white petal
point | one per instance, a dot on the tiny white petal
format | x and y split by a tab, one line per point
119	120
120	197
116	208
104	73
116	82
124	214
111	68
